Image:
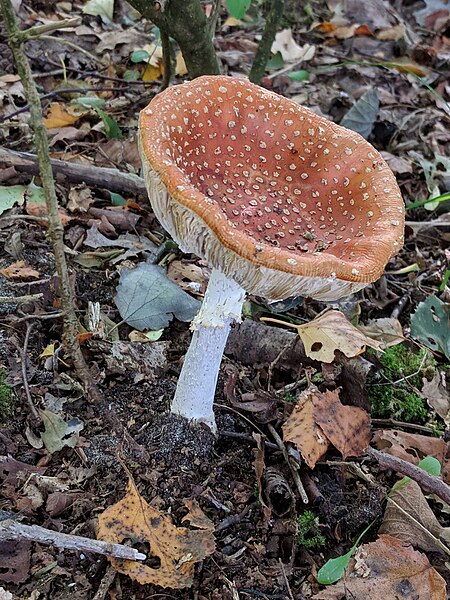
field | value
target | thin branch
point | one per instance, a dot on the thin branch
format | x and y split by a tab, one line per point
56	230
13	530
167	64
431	484
34	32
20	299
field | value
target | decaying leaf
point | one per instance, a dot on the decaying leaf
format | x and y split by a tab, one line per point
177	548
388	569
19	270
429	325
438	396
61	115
289	49
409	518
347	427
259	465
330	332
58	433
409	446
196	517
302	430
388	331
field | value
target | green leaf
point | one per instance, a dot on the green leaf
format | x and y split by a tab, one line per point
238	8
96	259
88	101
429	325
131	75
10	195
362	115
431	465
147	299
100	8
154	336
299	75
139	56
276	62
58	433
117	199
334	569
112	128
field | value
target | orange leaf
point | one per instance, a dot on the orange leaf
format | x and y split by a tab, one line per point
302	430
39	209
177	548
19	270
347	427
61	115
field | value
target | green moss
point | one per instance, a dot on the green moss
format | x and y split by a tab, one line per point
6	398
392	393
308	531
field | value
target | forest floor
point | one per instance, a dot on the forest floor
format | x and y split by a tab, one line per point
63	468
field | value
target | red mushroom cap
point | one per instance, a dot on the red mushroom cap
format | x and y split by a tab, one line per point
280	199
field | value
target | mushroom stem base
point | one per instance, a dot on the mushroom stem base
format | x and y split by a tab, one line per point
222	305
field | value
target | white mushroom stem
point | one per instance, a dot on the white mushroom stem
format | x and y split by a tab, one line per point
222	305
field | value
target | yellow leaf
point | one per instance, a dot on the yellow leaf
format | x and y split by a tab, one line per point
19	270
61	115
180	67
152	73
232	22
48	351
330	332
177	548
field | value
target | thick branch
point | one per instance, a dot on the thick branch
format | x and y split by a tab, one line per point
98	177
429	483
13	530
56	230
186	22
262	55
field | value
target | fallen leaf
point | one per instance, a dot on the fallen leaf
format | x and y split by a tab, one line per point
19	270
147	299
59	433
302	430
437	395
177	548
289	49
362	115
330	332
409	446
100	8
388	331
347	427
387	569
430	325
399	165
61	115
259	465
15	561
409	518
189	276
39	209
80	198
196	516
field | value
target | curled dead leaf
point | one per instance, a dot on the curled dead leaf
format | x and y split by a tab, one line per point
177	548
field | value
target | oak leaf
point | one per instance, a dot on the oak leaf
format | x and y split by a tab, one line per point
177	548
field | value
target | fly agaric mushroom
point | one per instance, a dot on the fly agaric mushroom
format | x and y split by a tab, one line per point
278	200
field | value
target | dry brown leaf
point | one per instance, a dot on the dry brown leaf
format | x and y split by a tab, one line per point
409	518
61	115
19	270
177	548
409	446
196	516
437	396
39	209
347	427
189	276
387	569
388	331
302	430
330	332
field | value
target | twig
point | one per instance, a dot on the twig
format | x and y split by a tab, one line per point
23	360
273	18
20	299
286	581
65	42
105	583
34	32
233	520
291	465
12	530
56	230
429	483
401	425
99	177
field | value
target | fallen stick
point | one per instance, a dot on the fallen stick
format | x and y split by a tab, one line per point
13	530
429	483
98	177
